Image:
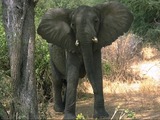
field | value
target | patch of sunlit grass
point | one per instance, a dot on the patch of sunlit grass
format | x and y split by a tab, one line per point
147	69
149	52
149	87
118	87
144	87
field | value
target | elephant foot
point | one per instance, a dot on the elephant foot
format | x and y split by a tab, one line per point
59	108
69	116
101	113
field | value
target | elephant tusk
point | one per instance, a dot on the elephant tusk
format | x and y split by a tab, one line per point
95	40
77	43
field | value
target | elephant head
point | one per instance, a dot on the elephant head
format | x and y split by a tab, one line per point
85	29
98	26
101	24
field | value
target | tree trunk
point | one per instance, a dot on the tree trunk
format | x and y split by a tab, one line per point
18	18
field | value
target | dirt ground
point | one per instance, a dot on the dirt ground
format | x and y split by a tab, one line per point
144	102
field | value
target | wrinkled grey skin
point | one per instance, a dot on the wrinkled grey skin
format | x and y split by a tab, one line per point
76	38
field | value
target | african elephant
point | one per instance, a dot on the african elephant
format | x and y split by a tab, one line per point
76	37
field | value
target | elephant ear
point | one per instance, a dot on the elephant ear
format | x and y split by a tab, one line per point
116	19
55	28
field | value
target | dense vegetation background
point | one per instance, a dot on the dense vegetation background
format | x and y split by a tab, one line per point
146	24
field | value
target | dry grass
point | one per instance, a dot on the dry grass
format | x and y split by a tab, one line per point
141	97
140	70
120	55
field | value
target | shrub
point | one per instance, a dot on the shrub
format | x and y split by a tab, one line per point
146	18
118	56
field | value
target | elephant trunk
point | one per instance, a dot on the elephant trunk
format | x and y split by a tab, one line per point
87	54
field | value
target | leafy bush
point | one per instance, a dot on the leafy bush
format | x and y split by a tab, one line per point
124	114
5	89
146	17
80	117
107	68
45	4
118	56
4	60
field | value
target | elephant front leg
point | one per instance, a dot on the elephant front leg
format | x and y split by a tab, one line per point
57	85
99	108
73	64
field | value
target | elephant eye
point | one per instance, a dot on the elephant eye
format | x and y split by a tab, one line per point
72	25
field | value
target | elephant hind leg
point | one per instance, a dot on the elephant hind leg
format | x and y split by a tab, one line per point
59	98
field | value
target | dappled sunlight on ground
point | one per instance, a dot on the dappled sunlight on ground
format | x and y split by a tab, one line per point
148	69
119	87
149	52
141	97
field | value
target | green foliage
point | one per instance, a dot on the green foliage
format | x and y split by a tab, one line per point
22	117
124	114
4	60
46	4
146	17
107	68
5	89
5	83
93	2
43	110
80	117
42	57
65	3
130	114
